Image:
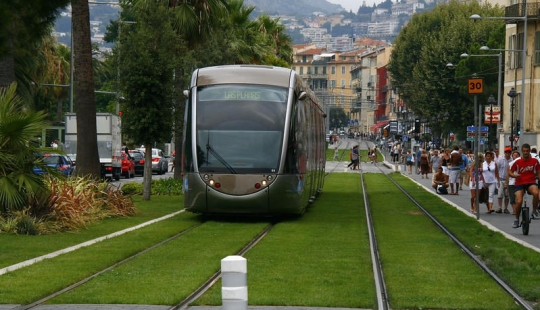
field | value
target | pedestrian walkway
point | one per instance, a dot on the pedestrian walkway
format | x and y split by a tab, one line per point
496	221
500	222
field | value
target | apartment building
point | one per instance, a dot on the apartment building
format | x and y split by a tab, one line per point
521	74
355	81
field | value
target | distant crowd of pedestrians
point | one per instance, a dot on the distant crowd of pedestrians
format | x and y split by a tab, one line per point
505	178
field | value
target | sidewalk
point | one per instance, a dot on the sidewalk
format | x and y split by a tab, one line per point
496	221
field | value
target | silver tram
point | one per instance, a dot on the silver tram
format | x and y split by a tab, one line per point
254	142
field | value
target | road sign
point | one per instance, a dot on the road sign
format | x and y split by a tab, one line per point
475	86
516	138
472	139
482	129
471	134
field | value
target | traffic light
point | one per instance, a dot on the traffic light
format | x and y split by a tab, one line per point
518	127
417	125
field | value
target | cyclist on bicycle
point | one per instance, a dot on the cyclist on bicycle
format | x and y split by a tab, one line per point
525	169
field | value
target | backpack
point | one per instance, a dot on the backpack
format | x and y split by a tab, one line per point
441	190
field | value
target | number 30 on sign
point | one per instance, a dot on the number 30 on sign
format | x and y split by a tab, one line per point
476	86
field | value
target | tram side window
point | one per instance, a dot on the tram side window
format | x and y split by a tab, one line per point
187	155
291	162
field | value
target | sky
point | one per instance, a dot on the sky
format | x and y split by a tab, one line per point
354	4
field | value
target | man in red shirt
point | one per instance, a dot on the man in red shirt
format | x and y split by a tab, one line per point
525	169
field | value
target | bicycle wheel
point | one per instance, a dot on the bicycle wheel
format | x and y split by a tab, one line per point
525	220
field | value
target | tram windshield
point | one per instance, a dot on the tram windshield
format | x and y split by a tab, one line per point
240	128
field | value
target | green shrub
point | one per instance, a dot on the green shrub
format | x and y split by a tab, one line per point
132	188
8	225
70	205
168	186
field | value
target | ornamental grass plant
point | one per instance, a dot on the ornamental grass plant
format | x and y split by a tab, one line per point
70	204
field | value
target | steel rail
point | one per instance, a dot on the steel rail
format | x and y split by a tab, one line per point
517	298
184	304
83	281
380	285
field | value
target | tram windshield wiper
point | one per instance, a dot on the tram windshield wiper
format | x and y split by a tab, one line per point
210	149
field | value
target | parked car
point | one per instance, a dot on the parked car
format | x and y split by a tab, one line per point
128	166
73	158
138	158
160	164
60	162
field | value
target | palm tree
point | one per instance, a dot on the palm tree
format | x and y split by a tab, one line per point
18	147
87	150
53	68
276	37
22	25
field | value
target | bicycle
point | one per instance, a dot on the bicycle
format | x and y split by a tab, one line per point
525	217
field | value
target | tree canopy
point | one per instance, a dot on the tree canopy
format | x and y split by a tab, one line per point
422	50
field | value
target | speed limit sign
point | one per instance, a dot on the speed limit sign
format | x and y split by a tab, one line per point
475	86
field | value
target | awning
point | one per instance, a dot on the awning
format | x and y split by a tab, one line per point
378	125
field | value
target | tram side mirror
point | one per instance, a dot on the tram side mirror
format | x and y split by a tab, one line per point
302	95
186	93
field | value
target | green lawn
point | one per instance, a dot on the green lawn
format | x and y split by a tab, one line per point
319	259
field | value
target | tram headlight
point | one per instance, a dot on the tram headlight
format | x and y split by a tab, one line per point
263	182
269	178
206	177
211	182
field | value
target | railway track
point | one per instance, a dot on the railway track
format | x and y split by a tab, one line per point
181	305
383	301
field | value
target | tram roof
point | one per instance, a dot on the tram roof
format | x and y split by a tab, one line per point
240	74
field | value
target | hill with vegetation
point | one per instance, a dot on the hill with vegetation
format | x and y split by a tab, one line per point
294	7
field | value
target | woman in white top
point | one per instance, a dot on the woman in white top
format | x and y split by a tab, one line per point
490	172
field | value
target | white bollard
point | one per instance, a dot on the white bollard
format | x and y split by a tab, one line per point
234	294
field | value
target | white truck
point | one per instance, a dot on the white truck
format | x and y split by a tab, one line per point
109	140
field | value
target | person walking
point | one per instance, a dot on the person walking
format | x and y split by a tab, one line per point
354	158
435	161
475	174
502	164
409	161
424	164
526	170
374	155
463	169
490	172
445	158
511	181
418	157
454	167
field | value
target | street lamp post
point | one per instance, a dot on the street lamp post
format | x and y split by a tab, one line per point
512	94
491	101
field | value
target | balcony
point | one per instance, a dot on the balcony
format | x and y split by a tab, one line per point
518	10
317	76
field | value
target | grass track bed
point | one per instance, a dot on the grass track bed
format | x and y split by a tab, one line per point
17	248
513	263
423	268
169	273
39	280
321	259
